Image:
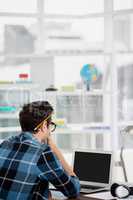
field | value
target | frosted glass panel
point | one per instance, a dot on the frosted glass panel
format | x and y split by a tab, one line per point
75	111
18	6
9	123
17	35
11	72
93	109
73	6
125	79
123	4
123	32
67	69
15	98
77	34
70	108
69	142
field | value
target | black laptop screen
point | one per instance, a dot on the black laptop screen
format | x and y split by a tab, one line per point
92	166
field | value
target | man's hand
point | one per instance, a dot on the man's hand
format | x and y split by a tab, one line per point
51	142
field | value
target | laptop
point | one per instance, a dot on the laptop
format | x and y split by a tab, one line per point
94	169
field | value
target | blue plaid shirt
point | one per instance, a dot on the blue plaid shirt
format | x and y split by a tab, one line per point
27	167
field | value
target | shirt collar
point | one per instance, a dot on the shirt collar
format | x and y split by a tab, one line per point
28	137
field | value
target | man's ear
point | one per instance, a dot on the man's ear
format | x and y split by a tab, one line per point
44	126
38	130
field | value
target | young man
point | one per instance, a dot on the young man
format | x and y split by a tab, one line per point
29	161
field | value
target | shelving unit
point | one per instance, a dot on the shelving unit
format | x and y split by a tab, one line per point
73	133
70	130
83	138
77	101
9	115
13	95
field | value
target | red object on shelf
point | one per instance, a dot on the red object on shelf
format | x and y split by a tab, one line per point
23	75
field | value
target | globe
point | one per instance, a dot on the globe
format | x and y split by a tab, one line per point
89	73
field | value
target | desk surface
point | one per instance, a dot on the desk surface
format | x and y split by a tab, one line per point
56	195
79	198
85	198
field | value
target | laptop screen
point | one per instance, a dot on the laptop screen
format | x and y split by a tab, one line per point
92	166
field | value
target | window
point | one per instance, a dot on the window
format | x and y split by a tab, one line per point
14	72
73	6
67	69
123	4
124	64
17	35
76	34
23	6
123	32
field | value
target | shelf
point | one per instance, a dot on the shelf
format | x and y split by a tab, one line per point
9	129
70	129
67	52
81	131
122	12
125	123
18	86
14	14
90	126
78	92
96	92
74	128
60	52
124	52
74	52
67	16
9	115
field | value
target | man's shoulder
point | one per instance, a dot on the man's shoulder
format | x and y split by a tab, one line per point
11	139
21	142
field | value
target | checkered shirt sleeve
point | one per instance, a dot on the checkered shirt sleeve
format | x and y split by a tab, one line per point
51	170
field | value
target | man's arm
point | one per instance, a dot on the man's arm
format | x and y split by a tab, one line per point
61	158
51	169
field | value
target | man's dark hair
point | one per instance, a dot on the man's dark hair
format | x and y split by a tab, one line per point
33	114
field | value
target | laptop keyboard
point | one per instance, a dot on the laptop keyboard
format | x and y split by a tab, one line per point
91	189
